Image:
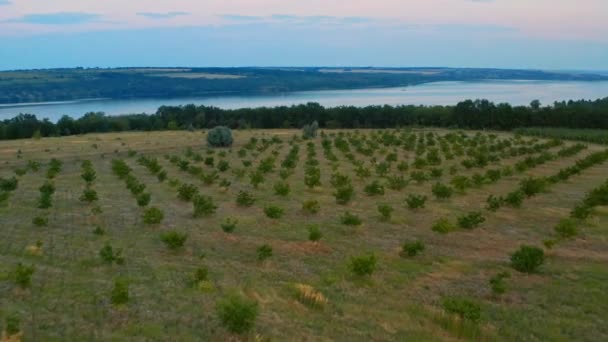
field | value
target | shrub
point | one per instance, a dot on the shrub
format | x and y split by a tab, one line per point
173	239
256	178
223	165
363	265
497	283
110	255
470	220
264	252
219	136
8	185
314	233
11	327
237	314
203	206
98	231
397	183
410	249
47	188
415	201
442	191
187	192
566	228
514	198
245	199
274	212
374	188
493	202
527	259
463	307
40	221
461	183
350	219
281	188
386	211
153	216
312	177
22	275
581	211
344	194
311	206
229	225
45	201
89	195
201	274
532	186
143	199
88	175
120	292
443	226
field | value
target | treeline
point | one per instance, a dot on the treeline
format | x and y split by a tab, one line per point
478	114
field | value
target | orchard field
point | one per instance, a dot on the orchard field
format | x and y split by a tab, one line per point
355	235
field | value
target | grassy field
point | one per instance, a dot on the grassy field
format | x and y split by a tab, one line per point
306	290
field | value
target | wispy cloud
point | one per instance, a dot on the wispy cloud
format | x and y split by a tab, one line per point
296	19
166	15
5	2
62	18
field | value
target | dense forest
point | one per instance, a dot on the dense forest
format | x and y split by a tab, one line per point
119	83
478	114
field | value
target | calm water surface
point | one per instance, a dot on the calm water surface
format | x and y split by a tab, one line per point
438	93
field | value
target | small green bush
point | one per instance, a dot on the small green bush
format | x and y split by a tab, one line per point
443	226
40	221
186	192
143	199
363	265
219	136
89	195
173	239
203	206
350	219
311	206
514	199
245	199
374	188
153	216
442	191
463	307
274	212
237	313
566	228
527	259
282	188
22	275
497	283
415	201
314	233
532	186
410	249
470	220
264	252
110	255
120	292
493	203
385	211
229	225
11	328
344	194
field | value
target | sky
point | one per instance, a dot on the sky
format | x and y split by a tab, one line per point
538	34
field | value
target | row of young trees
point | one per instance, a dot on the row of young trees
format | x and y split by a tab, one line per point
478	114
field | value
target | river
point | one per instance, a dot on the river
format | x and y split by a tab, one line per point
437	93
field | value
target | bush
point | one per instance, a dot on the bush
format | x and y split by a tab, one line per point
229	225
89	195
245	199
11	328
8	185
527	259
153	216
22	275
581	211
264	252
314	233
532	186
497	283
566	228
415	201
312	177
461	183
120	292
374	188
274	212
443	226
311	206
203	206
45	201
40	221
237	314
463	307
470	220
386	211
143	199
219	136
256	178
109	255
515	198
173	239
187	192
350	219
281	188
442	191
363	265
493	203
344	194
411	249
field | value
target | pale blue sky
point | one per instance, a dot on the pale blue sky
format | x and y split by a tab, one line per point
545	34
